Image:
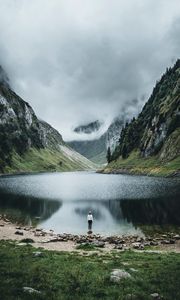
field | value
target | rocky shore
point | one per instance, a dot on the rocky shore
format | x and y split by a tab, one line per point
50	240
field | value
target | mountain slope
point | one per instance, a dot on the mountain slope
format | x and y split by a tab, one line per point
96	150
151	143
28	144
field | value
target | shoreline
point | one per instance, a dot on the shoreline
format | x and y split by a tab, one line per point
41	172
121	171
102	172
49	240
131	172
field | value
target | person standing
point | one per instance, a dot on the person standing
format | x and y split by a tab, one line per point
90	220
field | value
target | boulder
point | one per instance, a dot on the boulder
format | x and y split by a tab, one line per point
54	239
39	229
136	245
118	274
118	247
89	232
154	243
121	241
99	244
30	290
19	232
130	297
26	228
37	254
133	270
141	247
172	241
156	296
147	243
165	242
37	233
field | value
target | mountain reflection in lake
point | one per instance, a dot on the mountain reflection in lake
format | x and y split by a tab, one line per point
119	203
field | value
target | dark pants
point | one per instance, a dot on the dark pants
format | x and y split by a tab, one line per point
89	225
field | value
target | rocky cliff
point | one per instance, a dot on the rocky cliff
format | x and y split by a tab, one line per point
154	136
96	150
24	138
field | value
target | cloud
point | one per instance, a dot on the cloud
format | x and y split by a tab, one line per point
79	61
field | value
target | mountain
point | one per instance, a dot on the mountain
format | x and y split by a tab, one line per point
27	143
150	143
96	149
88	128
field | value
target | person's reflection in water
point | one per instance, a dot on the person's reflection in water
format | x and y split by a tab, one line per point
90	221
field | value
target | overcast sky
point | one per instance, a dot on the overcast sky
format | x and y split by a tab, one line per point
76	61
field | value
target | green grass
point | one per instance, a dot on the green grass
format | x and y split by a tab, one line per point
135	164
86	247
156	230
60	275
43	160
99	158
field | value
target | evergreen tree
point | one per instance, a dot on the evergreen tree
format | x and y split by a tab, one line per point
108	155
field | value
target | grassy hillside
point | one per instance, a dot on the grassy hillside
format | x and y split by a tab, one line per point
135	164
162	164
150	143
45	160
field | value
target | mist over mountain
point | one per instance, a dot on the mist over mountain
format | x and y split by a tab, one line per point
81	61
89	128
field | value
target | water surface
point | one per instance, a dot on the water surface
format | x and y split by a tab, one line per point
121	204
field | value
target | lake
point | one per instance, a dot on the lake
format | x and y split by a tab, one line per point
121	204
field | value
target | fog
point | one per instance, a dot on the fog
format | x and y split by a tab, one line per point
80	61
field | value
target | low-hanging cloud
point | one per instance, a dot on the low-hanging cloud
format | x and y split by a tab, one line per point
79	61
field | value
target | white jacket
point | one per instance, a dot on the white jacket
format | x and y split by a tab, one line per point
90	217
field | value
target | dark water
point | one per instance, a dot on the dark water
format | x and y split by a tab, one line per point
121	204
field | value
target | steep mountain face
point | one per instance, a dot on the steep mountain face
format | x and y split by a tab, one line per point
96	150
50	137
21	133
113	133
156	131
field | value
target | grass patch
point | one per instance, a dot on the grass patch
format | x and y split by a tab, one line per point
27	240
156	230
86	247
60	275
